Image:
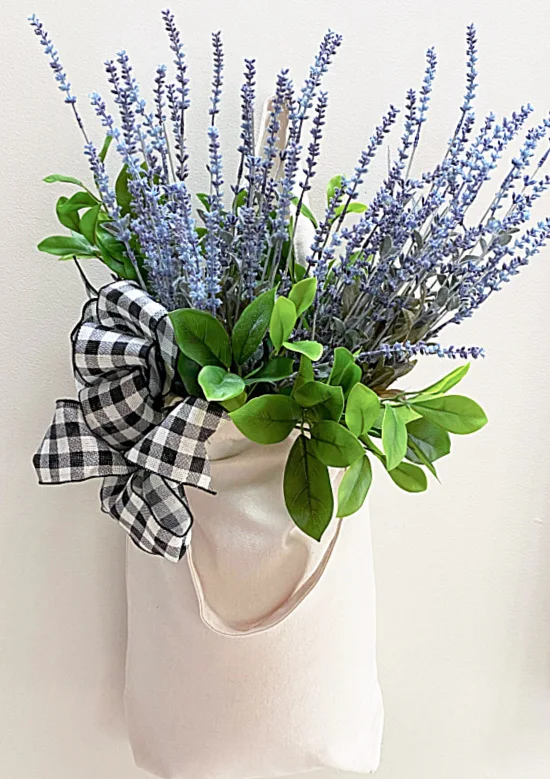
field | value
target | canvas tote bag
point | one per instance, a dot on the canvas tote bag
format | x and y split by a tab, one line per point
255	655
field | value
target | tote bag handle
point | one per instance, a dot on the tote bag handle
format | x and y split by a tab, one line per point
212	619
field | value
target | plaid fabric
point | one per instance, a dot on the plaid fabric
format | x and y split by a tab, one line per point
124	356
71	452
175	448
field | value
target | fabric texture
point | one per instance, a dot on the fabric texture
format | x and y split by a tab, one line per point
124	358
268	677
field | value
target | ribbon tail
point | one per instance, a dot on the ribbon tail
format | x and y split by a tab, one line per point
71	452
153	511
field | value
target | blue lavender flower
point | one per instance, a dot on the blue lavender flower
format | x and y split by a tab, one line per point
314	147
190	287
291	158
119	223
389	282
214	216
274	124
427	84
159	94
63	82
150	214
217	78
471	73
123	101
246	147
327	50
178	96
176	46
400	351
423	103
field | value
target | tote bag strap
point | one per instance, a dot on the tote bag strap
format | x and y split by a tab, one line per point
215	622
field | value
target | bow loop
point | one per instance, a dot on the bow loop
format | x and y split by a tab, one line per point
124	357
175	449
120	410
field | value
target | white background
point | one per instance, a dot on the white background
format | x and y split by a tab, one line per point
463	571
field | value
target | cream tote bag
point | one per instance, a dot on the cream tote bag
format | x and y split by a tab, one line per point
255	655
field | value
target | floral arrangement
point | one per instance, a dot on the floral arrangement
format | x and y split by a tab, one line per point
309	347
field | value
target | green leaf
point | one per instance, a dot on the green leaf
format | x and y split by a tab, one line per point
201	337
252	326
311	349
62	245
78	201
362	409
307	490
343	358
234	403
122	193
113	254
68	219
371	446
410	478
394	437
334	184
302	294
354	487
305	373
299	272
67	209
205	200
88	223
344	373
416	454
283	319
432	440
106	240
218	385
105	148
407	413
353	208
268	419
334	445
305	211
276	369
454	413
448	381
324	401
189	373
240	199
64	179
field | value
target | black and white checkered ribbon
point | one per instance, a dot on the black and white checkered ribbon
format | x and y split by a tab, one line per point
124	357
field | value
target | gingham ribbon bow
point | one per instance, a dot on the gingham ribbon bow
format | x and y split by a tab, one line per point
124	358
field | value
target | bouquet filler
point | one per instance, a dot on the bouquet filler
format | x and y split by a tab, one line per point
213	312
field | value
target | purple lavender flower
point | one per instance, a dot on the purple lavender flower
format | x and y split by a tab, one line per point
217	78
327	50
388	282
214	216
63	82
178	96
400	351
246	148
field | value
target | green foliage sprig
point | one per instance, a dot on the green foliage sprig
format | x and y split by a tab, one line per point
336	421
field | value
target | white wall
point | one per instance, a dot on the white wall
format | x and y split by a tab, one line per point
463	571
